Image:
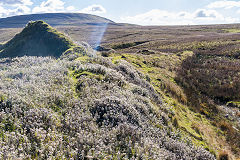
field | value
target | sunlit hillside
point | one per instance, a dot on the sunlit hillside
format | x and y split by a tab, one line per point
95	89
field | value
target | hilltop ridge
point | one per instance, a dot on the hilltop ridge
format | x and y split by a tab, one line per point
36	39
54	19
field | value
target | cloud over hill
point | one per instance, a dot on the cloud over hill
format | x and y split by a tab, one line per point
21	7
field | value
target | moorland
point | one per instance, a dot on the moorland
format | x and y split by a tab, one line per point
157	91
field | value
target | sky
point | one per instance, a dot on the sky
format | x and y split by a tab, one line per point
142	12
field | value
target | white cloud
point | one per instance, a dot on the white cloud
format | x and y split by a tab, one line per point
94	9
19	7
22	10
161	17
16	2
70	8
14	7
49	6
203	13
2	11
158	17
13	12
224	4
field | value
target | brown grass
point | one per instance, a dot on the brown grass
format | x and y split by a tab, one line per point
225	126
223	155
232	135
238	114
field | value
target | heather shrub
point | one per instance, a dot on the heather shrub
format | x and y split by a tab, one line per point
72	110
81	106
210	78
212	71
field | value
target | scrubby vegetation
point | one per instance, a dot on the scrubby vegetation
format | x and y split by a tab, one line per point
210	77
62	109
127	45
84	106
198	76
213	71
204	80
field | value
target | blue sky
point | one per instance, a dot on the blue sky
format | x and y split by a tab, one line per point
143	12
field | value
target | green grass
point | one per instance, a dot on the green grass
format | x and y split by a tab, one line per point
161	69
37	39
127	45
233	104
233	30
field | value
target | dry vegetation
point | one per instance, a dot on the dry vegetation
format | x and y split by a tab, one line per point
84	106
194	69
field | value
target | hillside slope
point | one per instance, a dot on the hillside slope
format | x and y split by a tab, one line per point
53	19
36	39
196	69
83	106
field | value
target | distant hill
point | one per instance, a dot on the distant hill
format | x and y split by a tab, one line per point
54	19
36	39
